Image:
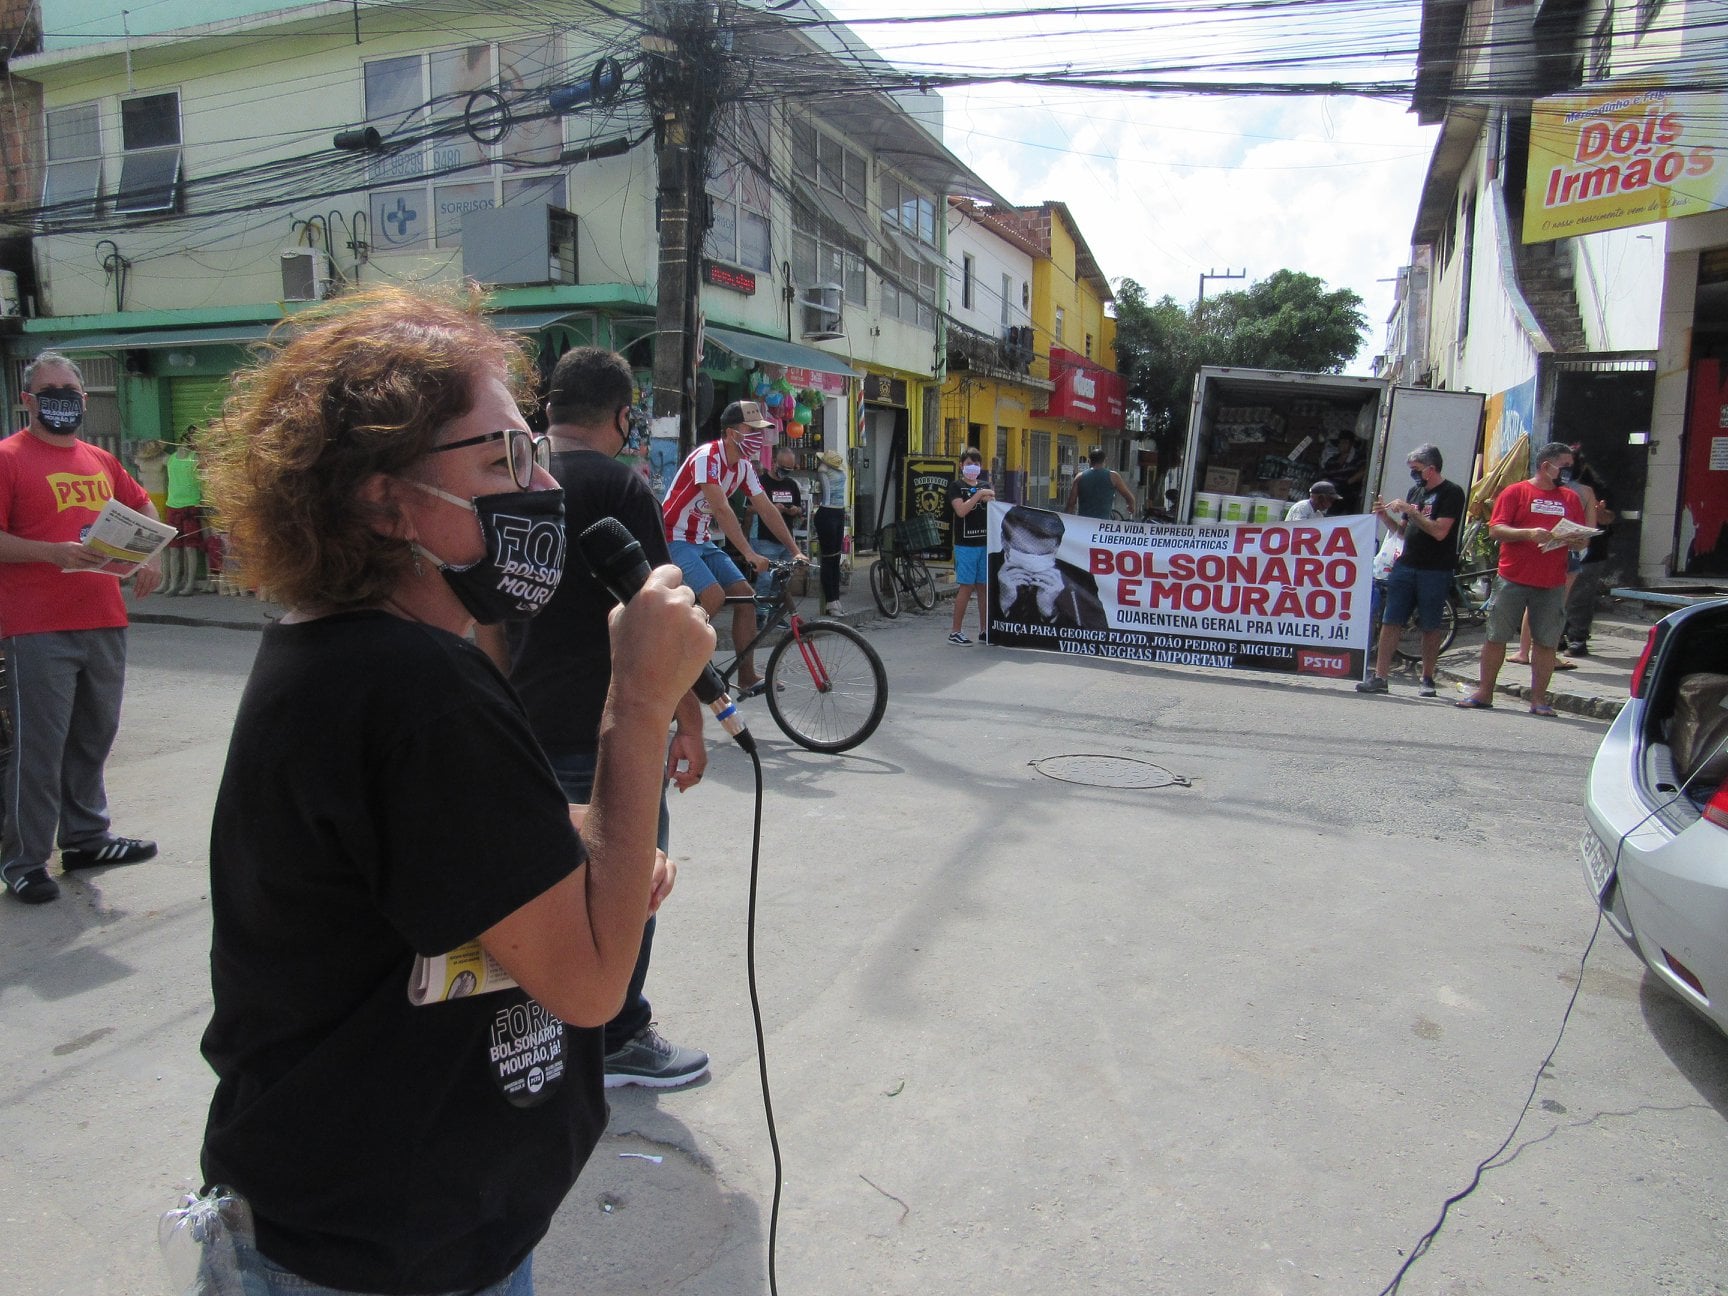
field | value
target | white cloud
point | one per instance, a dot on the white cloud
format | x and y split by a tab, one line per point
1166	187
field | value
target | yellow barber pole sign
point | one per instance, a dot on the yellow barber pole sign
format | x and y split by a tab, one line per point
1632	157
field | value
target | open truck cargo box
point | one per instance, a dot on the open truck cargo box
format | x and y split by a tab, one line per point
1269	434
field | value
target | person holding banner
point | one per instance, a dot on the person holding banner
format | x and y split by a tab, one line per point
969	501
1428	518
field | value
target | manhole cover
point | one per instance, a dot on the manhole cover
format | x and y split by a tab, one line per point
1095	770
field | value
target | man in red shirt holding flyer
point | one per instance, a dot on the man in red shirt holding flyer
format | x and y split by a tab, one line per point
63	630
1532	574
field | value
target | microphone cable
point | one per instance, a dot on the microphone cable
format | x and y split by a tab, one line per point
1488	1162
756	1017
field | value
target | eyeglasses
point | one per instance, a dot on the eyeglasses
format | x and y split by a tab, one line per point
527	451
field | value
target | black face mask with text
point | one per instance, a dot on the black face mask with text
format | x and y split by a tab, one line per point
60	409
524	559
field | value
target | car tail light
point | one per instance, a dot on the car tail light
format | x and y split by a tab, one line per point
1644	660
1717	809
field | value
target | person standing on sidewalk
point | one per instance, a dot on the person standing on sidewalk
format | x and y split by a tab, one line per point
787	496
562	665
1322	495
1093	491
64	630
830	524
968	500
1586	588
1532	576
1428	518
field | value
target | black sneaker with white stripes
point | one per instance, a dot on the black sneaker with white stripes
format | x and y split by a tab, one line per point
33	886
116	850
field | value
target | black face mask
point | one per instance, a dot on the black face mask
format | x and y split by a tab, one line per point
1417	476
60	409
524	560
1565	476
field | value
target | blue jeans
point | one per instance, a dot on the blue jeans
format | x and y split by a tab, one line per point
259	1277
575	771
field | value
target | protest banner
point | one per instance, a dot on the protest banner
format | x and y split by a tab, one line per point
1283	596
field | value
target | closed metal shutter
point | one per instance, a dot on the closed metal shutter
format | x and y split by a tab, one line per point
193	402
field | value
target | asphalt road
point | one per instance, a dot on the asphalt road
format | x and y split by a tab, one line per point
1241	1033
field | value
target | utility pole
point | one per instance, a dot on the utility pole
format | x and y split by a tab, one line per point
1213	274
685	63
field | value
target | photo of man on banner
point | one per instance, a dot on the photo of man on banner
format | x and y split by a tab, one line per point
1293	597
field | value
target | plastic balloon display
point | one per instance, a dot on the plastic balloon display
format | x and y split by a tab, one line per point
795	431
801	414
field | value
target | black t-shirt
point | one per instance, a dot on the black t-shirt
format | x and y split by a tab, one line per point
1421	550
973	529
782	492
562	659
384	797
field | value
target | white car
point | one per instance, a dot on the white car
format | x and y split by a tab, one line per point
1656	850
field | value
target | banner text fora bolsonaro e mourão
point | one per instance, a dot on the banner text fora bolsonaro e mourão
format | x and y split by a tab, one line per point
1284	596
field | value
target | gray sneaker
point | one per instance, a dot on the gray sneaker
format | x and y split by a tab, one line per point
1374	684
653	1060
1428	688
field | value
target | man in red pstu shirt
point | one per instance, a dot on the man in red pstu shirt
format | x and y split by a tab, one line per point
1532	578
63	631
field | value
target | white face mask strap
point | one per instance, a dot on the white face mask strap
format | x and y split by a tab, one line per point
445	495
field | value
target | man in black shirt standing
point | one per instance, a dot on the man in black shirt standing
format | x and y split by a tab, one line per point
562	661
785	494
1428	518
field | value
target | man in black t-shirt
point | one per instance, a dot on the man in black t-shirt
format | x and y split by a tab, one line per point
561	663
784	493
1429	519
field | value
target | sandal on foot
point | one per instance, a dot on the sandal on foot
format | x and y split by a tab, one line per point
752	690
1518	661
1473	704
1541	709
1561	663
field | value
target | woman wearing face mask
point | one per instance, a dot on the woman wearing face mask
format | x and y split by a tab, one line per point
384	799
969	498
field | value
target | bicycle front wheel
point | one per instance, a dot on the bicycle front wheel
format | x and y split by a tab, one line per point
1410	642
883	588
920	584
826	686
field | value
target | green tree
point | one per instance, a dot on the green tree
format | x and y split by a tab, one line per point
1286	321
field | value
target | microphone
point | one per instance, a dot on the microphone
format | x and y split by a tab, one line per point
620	565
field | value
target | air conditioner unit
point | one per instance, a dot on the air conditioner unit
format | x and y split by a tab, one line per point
305	274
519	246
823	313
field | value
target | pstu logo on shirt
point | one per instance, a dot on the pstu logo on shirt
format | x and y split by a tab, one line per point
74	492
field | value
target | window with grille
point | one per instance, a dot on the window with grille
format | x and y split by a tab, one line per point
432	171
739	200
150	154
72	178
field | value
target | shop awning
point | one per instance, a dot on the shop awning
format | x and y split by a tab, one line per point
776	351
530	321
130	340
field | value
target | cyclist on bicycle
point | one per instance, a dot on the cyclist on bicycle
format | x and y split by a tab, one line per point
698	498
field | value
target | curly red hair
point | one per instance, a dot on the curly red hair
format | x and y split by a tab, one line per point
359	385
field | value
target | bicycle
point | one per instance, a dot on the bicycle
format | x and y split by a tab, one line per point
826	687
1466	602
899	570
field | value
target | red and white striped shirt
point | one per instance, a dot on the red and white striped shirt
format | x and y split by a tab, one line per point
686	510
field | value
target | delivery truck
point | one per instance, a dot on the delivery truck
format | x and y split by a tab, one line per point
1259	438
